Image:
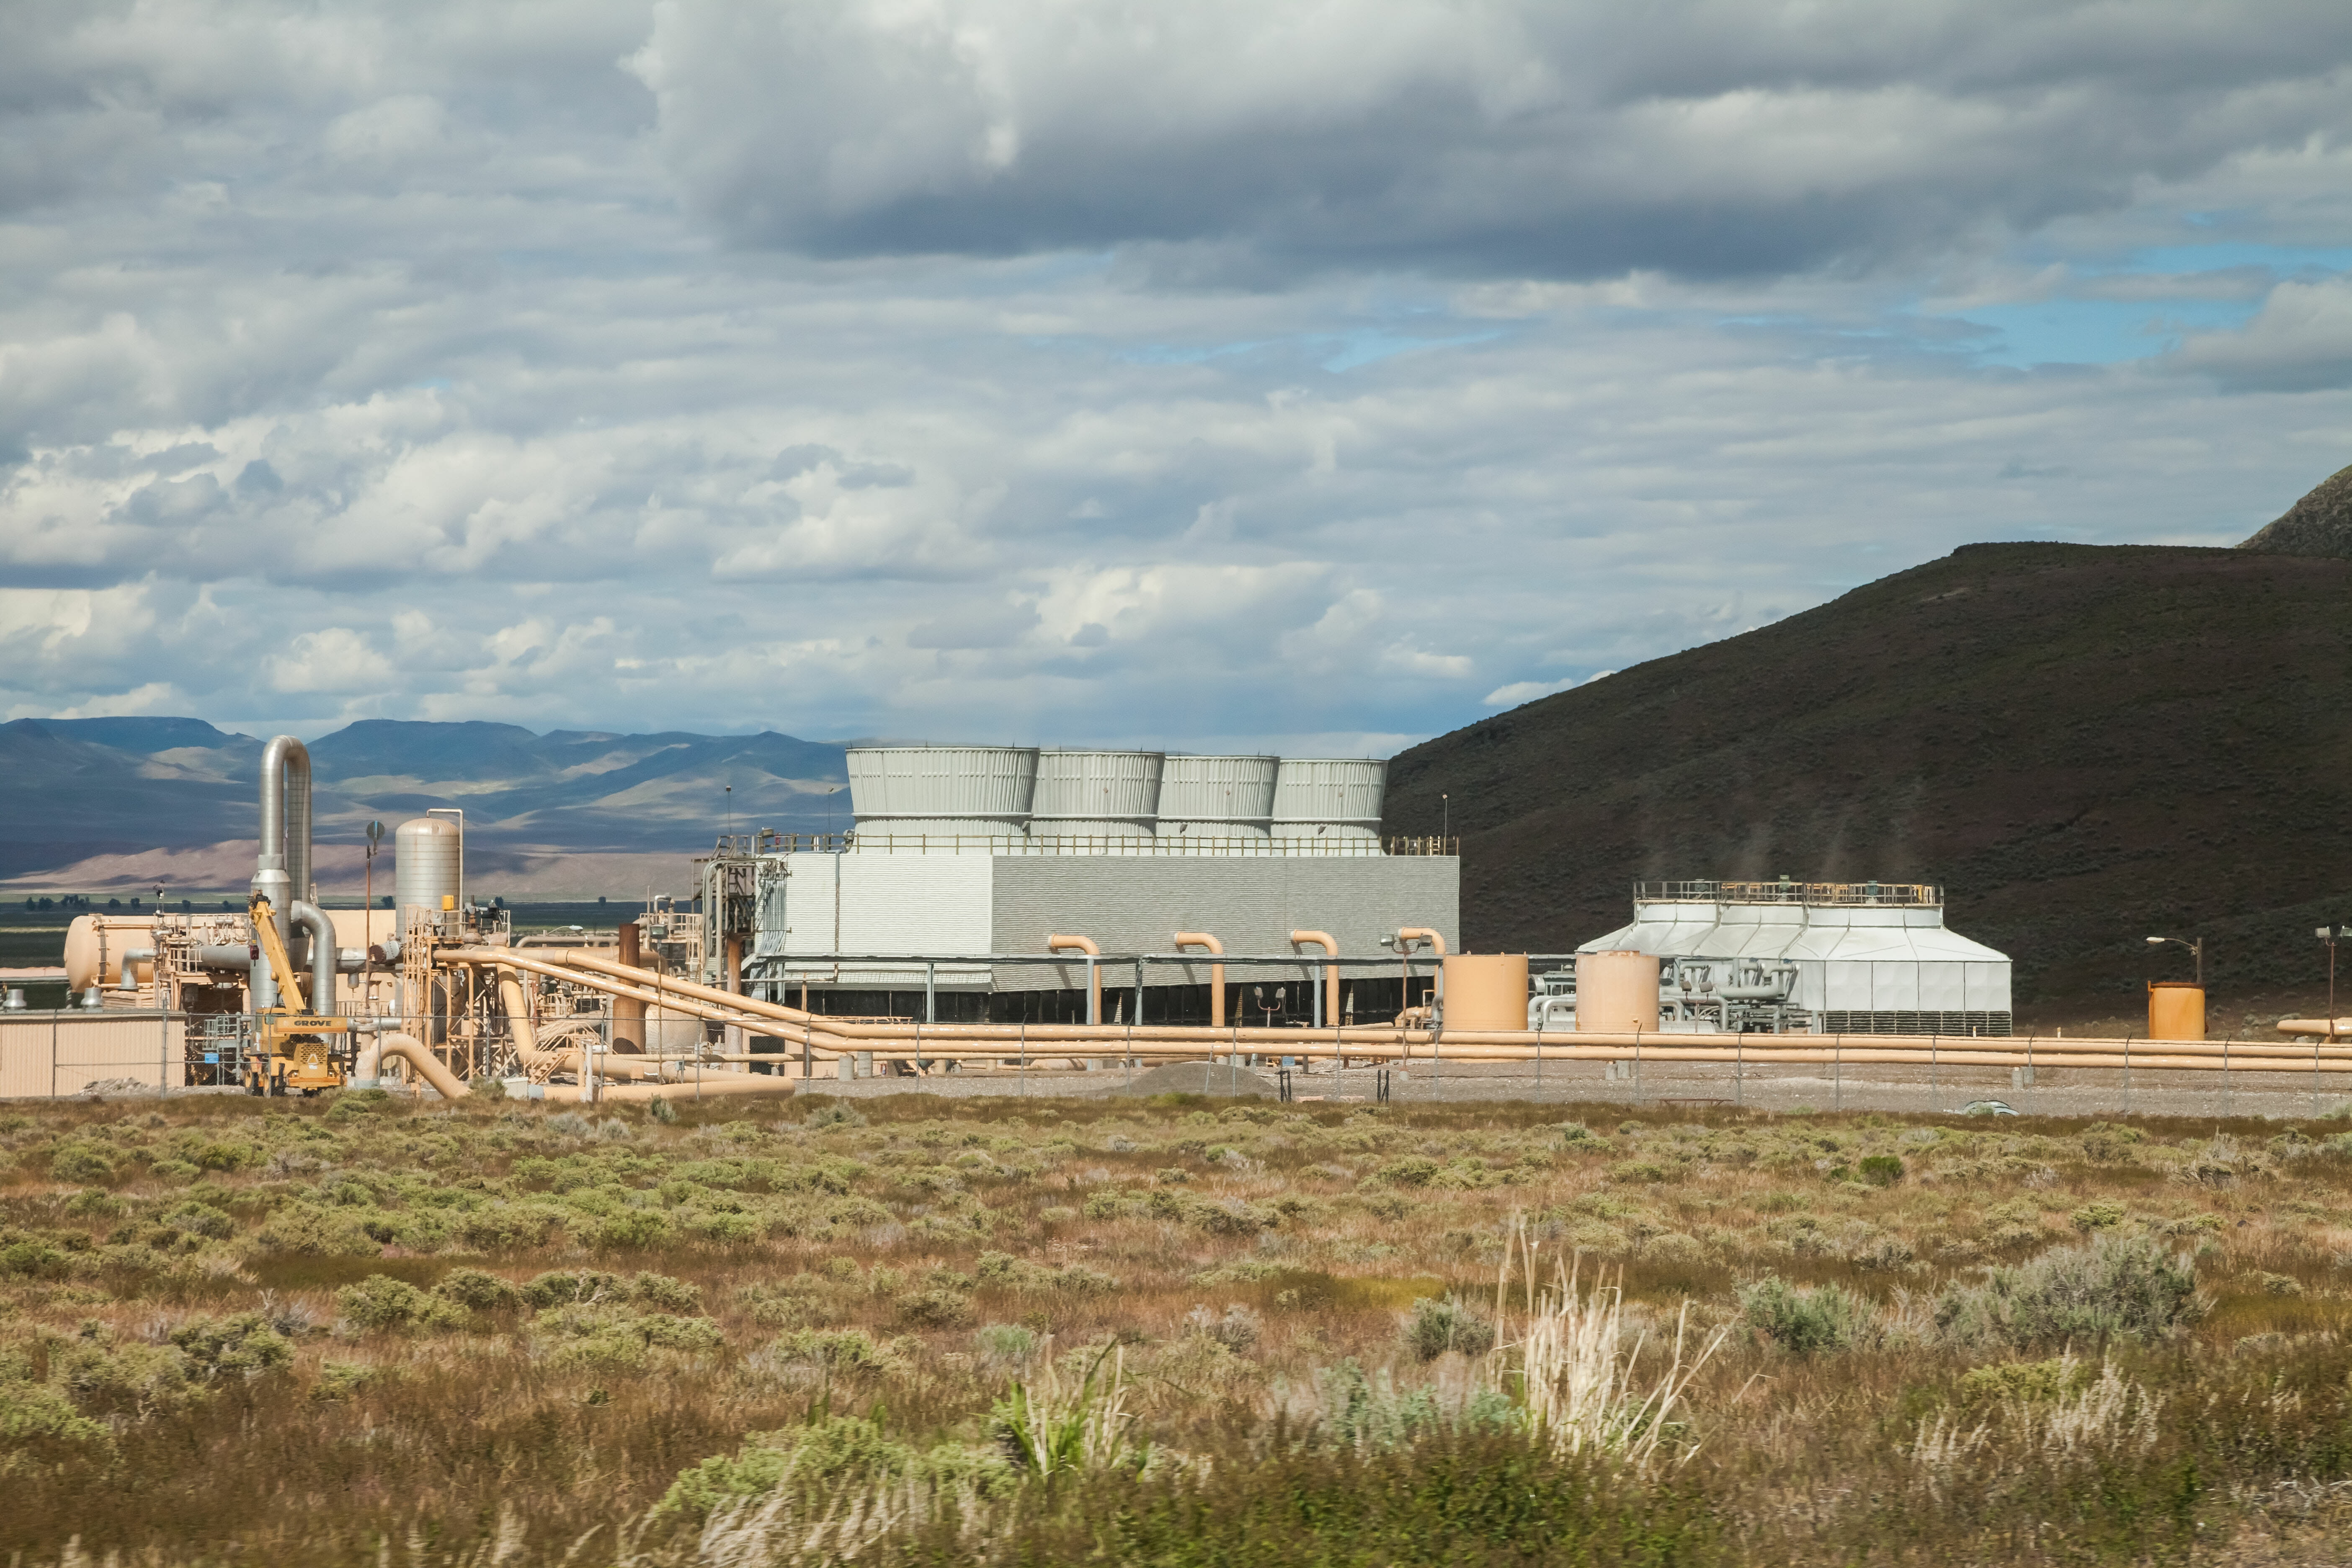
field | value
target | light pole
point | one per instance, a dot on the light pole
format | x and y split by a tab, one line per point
2196	947
2328	934
1445	820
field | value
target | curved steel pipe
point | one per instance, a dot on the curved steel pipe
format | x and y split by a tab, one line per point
321	930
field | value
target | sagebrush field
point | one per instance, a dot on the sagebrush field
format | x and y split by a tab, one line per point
1165	1331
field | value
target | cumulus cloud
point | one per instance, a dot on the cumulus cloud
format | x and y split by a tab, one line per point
1706	137
2300	341
1283	374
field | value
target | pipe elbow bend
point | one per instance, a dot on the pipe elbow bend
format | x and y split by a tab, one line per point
1200	938
1320	939
1085	944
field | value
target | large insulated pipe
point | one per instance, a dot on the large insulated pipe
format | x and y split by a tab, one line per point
1185	939
410	1049
281	868
314	920
1331	1008
1085	944
628	1013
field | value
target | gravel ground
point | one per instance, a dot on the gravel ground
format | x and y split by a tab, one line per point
2064	1092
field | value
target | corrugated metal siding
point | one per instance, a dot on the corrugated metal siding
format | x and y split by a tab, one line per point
889	904
44	1054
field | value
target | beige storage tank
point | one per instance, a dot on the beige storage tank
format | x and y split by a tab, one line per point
2175	1010
1616	993
427	854
95	944
1486	991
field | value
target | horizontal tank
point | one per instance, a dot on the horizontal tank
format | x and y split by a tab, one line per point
95	945
1096	795
962	791
427	852
1217	797
1329	797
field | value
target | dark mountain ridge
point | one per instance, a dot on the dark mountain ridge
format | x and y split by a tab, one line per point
2086	745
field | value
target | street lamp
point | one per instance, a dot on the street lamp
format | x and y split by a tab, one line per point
2196	947
2329	934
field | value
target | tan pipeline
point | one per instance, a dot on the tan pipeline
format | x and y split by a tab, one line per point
412	1050
1085	944
1185	939
1330	970
986	1040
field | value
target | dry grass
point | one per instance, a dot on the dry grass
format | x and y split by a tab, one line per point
183	1377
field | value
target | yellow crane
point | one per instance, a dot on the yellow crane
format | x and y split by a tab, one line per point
297	1050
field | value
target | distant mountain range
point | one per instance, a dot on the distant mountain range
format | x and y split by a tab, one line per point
106	801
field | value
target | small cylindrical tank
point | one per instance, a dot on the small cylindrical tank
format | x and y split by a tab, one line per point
1616	993
95	945
1486	991
427	853
2175	1010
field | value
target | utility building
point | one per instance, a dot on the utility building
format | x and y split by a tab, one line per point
965	860
1856	957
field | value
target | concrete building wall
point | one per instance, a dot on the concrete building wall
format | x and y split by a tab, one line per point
1138	904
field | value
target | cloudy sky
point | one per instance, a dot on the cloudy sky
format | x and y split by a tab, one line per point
1304	373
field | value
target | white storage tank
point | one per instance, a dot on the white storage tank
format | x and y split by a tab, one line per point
1328	798
981	792
1217	797
1096	795
427	854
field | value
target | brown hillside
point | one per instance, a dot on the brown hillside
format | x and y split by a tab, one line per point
2083	744
2319	524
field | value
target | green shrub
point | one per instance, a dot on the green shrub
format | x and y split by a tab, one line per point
1439	1324
826	1117
33	1418
1004	1345
936	1308
1802	1323
1227	1216
507	1227
242	1343
632	1230
86	1164
201	1219
565	1287
836	1350
477	1290
1417	1171
309	1230
2121	1288
1364	1412
124	1379
2024	1381
669	1295
2099	1215
381	1303
1880	1170
832	1456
